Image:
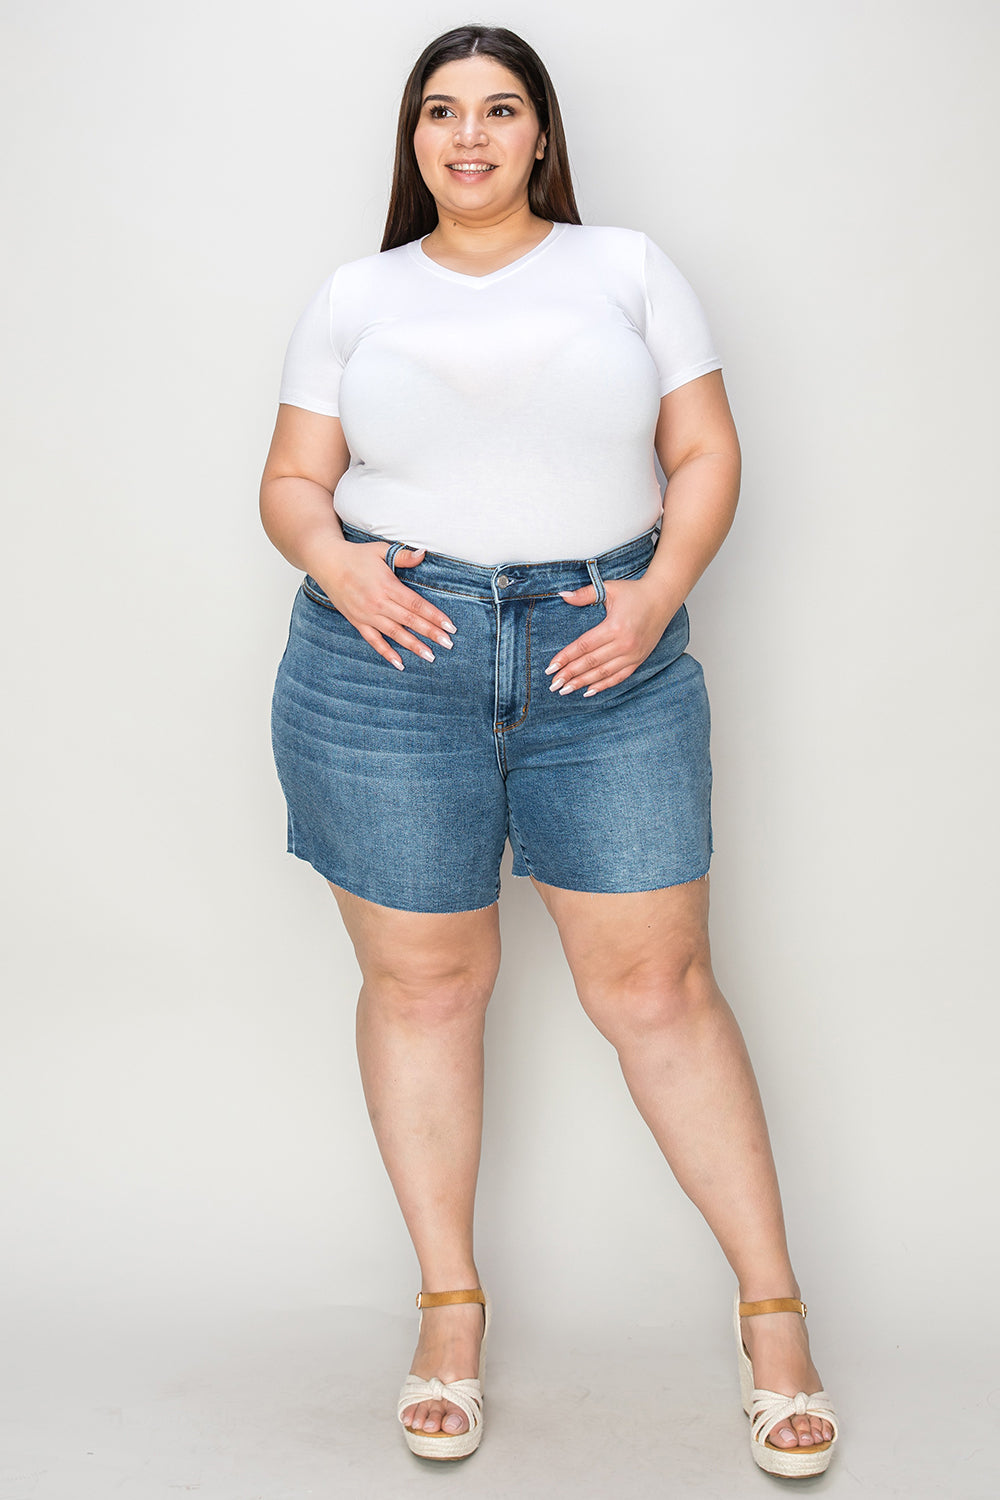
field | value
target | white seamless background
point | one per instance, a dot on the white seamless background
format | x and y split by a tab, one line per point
186	1131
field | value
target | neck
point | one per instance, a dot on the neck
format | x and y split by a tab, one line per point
470	238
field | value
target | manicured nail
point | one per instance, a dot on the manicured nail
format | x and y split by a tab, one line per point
444	641
557	684
786	1432
564	691
590	692
427	655
398	664
449	626
552	668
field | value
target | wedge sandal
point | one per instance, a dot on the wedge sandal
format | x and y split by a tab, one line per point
466	1394
765	1408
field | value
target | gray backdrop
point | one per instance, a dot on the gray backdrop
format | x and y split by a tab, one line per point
186	1130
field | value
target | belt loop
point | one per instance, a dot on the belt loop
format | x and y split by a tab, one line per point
390	556
596	579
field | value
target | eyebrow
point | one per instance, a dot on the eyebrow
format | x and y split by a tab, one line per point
489	98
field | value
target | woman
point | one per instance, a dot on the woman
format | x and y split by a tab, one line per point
463	459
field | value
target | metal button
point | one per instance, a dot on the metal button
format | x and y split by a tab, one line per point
503	581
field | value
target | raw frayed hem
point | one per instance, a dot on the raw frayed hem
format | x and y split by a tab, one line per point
640	891
416	911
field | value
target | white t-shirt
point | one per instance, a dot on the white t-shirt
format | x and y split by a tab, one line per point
508	417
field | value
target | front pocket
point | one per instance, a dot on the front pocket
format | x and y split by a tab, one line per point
635	573
312	591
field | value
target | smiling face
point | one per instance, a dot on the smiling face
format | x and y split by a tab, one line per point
477	139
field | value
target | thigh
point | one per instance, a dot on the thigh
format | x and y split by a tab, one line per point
647	935
422	949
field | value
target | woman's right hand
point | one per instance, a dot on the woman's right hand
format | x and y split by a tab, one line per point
379	606
307	458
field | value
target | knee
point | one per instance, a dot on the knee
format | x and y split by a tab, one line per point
432	990
654	997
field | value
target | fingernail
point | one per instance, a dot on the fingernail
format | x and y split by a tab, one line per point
564	691
557	684
398	664
590	692
449	626
553	668
427	655
446	644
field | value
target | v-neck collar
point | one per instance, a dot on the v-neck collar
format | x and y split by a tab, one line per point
418	253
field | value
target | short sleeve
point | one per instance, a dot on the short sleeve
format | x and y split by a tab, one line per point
677	332
310	376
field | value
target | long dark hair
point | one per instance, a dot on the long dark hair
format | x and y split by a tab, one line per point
412	210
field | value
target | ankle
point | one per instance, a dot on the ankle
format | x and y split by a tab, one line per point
449	1278
764	1288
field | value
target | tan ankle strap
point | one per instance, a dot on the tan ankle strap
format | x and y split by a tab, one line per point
776	1304
445	1299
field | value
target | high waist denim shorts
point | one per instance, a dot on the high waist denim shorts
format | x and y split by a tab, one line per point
403	787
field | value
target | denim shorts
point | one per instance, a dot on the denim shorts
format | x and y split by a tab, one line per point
403	787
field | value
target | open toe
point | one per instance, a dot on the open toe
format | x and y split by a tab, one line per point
771	1411
467	1395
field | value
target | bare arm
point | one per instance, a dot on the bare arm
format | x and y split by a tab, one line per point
697	445
699	450
307	457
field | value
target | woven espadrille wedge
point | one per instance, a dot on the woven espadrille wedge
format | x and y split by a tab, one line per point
764	1408
467	1394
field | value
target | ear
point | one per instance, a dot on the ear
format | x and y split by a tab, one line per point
540	149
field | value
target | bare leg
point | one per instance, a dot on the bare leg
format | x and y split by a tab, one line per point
421	1012
642	968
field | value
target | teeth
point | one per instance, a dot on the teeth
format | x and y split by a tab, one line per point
471	167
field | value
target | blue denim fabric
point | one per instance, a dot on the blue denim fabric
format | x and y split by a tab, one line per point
403	787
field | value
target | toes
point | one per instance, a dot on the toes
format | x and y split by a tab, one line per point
447	1418
801	1432
803	1427
436	1416
455	1421
432	1421
416	1415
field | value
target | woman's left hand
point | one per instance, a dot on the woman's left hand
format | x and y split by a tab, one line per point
600	658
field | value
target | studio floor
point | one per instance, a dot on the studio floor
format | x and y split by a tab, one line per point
285	1405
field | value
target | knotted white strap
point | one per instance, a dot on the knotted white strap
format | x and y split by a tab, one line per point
769	1407
466	1394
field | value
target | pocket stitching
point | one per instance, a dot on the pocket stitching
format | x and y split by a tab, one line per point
320	599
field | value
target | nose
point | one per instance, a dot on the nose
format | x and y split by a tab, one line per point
470	130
